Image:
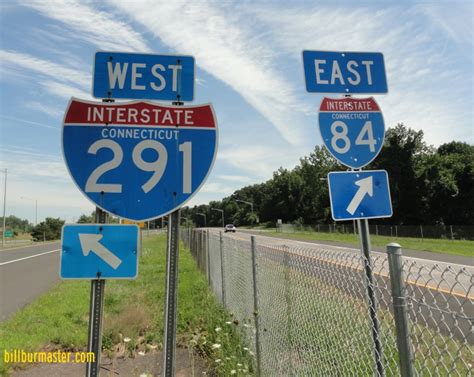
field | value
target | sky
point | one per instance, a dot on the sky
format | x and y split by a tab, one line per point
249	66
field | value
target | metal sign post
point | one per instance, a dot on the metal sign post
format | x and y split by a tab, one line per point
172	254
364	237
353	132
96	311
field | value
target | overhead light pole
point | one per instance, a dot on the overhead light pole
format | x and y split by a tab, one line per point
4	208
36	207
249	203
222	213
205	222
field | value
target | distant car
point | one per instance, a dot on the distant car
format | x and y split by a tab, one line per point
230	228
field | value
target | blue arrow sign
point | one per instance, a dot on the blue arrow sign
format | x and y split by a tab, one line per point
344	72
359	195
352	129
99	251
143	76
139	160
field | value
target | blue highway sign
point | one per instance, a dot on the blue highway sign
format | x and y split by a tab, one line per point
99	251
359	195
143	76
139	160
344	72
352	129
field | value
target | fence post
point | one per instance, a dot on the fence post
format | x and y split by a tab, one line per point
208	251
221	247
421	231
289	314
451	229
255	304
395	264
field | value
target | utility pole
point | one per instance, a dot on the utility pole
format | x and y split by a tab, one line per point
249	203
205	222
4	208
222	213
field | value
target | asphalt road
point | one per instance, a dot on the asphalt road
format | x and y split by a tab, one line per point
435	287
25	273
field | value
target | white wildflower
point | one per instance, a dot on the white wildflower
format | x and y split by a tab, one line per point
141	353
218	360
233	371
216	346
246	349
218	329
239	365
228	323
126	339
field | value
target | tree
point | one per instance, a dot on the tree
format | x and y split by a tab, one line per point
448	179
16	224
401	156
84	219
48	230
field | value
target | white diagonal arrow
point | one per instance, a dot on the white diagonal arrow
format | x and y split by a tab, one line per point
90	242
365	187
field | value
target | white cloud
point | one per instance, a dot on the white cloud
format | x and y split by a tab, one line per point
19	61
256	160
216	35
99	28
233	178
217	188
41	177
45	109
63	90
428	88
29	122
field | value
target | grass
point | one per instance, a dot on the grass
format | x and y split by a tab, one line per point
454	247
133	309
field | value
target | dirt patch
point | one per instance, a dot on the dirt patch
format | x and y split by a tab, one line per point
187	364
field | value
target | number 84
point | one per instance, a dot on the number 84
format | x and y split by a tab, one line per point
339	131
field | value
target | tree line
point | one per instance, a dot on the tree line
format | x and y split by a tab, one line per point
428	186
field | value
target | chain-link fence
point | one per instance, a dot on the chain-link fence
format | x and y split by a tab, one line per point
304	310
449	232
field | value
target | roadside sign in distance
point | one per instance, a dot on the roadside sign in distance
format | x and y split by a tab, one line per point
359	195
352	129
138	160
143	76
93	251
344	72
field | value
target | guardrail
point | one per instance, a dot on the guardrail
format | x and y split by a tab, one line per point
304	310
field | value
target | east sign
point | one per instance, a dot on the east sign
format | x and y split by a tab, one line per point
344	72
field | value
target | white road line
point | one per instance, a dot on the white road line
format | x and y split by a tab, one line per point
31	256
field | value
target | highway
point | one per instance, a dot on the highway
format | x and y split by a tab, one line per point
434	287
431	269
25	273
